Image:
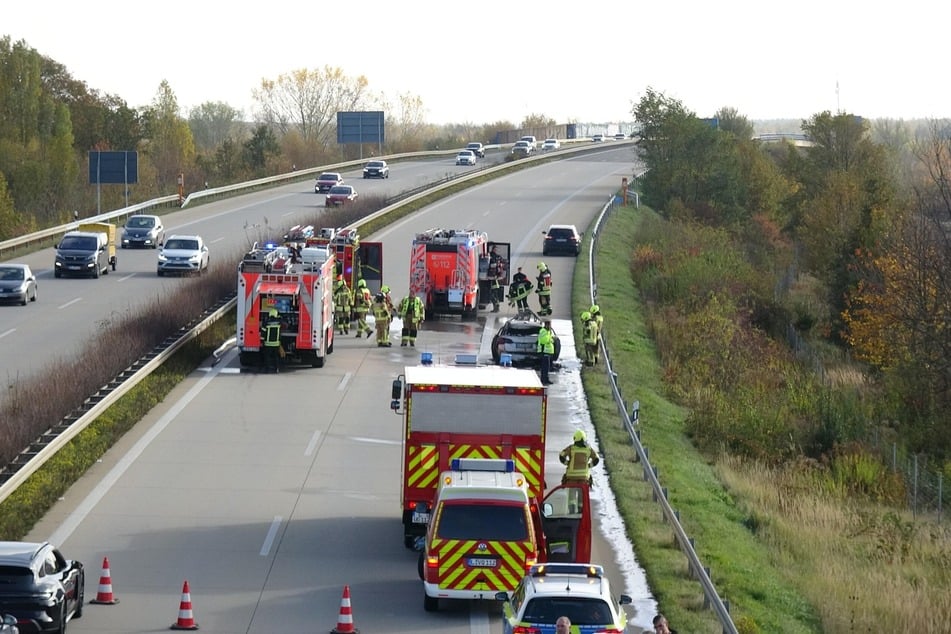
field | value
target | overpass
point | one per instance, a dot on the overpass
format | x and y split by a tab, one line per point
797	139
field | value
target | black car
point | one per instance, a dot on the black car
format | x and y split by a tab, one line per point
563	239
376	169
39	586
518	337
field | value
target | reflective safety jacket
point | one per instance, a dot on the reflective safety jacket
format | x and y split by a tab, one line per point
590	331
543	283
272	332
343	298
363	300
411	308
546	341
381	312
578	458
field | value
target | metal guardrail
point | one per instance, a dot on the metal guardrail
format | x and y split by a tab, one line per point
630	422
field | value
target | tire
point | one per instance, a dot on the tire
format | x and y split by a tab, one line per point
317	361
496	354
430	604
57	273
98	271
409	541
62	619
160	272
557	353
24	301
419	561
81	599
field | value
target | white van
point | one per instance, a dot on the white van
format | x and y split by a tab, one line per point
531	141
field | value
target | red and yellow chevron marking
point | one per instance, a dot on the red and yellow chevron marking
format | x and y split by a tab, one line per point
422	463
455	574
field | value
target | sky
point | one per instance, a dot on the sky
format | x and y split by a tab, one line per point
492	60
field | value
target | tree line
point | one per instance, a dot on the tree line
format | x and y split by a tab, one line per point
50	121
844	242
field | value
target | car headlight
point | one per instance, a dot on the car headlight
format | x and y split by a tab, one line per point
161	257
193	258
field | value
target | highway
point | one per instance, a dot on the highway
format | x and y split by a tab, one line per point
271	493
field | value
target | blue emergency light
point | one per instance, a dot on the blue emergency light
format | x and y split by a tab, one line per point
426	358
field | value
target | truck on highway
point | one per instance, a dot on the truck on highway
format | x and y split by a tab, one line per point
304	302
452	270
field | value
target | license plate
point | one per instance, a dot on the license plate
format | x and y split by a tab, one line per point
420	518
481	562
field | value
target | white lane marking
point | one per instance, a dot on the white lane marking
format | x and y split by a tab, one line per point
375	441
217	240
12	330
344	381
70	302
271	534
127	277
312	445
87	505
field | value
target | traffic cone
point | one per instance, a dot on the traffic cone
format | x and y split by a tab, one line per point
345	620
104	596
186	621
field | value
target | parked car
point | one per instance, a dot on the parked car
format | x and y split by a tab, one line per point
340	194
17	284
466	157
476	148
580	592
551	144
564	239
142	230
522	148
376	169
326	181
182	255
518	337
40	587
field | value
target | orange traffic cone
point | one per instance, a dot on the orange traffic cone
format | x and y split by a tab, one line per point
345	620
104	596
186	621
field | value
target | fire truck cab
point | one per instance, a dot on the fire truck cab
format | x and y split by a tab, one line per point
452	270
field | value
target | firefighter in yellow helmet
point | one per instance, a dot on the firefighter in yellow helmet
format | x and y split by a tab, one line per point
589	335
543	290
382	317
271	340
578	459
362	302
343	305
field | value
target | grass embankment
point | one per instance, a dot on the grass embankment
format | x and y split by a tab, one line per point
789	552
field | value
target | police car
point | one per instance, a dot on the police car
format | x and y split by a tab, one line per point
579	591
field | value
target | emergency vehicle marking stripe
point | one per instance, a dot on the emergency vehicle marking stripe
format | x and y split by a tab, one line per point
421	467
453	573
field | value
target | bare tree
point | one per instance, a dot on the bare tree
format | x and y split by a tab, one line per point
308	101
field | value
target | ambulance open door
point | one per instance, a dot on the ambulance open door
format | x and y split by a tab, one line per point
566	521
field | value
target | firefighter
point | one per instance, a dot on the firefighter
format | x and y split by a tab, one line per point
543	289
497	270
389	300
595	311
412	312
518	291
589	329
343	304
578	459
271	340
381	314
362	302
546	348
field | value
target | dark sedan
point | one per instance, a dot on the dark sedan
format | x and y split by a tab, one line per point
376	169
39	586
564	239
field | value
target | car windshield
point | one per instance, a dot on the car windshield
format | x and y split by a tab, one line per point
581	611
11	273
343	190
488	522
182	244
374	164
329	177
78	243
140	222
561	233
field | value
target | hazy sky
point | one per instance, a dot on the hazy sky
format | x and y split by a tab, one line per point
489	60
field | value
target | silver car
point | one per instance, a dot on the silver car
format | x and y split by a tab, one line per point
518	337
142	231
183	255
17	284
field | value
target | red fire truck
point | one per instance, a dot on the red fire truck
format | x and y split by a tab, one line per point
304	302
355	259
451	270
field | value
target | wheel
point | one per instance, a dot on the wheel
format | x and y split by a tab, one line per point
24	301
62	619
430	604
419	562
317	361
98	271
554	356
57	273
160	272
409	541
496	353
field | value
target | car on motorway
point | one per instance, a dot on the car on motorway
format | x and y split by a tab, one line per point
182	255
531	140
563	239
142	230
17	283
518	337
597	138
466	157
326	181
581	592
40	587
550	144
376	169
620	136
340	195
522	148
476	148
